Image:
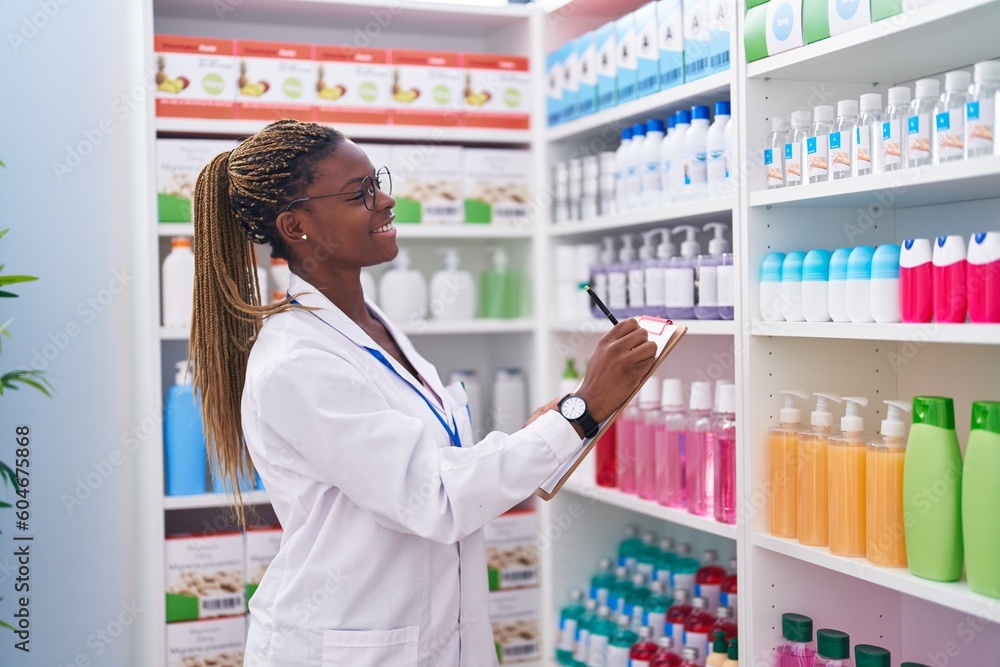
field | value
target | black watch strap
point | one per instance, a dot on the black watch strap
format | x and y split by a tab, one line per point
588	424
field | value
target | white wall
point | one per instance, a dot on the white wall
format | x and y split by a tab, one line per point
66	65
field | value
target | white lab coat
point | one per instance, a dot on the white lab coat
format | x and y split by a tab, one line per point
382	561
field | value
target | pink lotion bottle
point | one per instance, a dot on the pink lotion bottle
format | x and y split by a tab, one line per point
796	648
916	281
949	279
625	437
725	457
983	277
645	447
669	444
699	451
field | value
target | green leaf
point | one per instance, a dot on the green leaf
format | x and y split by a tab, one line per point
8	475
4	624
29	378
3	504
10	280
6	294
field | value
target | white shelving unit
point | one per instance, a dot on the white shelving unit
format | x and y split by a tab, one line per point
405	231
599	326
690	213
212	500
970	334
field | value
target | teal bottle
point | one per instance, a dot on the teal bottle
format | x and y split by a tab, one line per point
602	581
620	643
620	591
582	648
654	613
650	553
683	574
630	548
600	636
665	561
635	601
569	619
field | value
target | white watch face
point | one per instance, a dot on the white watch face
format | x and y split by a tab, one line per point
573	407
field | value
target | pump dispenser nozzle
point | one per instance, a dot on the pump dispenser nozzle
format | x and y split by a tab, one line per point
852	422
893	425
181	378
666	249
690	248
403	260
608	252
648	249
821	417
790	414
500	260
718	245
626	254
452	261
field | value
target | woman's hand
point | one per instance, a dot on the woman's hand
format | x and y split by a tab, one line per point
551	405
623	356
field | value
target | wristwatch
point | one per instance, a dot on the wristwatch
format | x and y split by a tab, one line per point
574	409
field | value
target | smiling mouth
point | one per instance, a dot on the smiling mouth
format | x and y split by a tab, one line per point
387	227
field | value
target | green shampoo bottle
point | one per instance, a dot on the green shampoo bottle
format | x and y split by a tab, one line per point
932	491
981	498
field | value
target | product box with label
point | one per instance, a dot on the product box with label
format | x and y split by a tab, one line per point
219	642
815	21
553	88
516	625
497	186
512	550
773	27
427	183
497	91
627	59
428	87
847	15
647	50
204	576
607	67
586	62
275	80
195	77
571	82
352	85
670	26
178	163
697	39
883	9
721	24
754	3
260	547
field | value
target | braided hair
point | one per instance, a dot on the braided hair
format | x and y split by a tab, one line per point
237	199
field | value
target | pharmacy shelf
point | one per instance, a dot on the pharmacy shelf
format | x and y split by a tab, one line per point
244	128
210	500
932	332
175	229
936	184
405	231
648	508
690	212
702	91
600	326
483	326
174	333
954	595
928	38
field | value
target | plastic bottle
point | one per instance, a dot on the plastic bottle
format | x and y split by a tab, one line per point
708	579
669	444
783	450
474	393
648	557
867	135
510	400
369	287
932	491
642	652
725	459
621	589
602	581
622	156
404	290
691	657
629	548
916	281
645	446
575	189
833	648
846	474
591	188
886	539
280	276
707	273
866	655
837	300
885	284
983	277
634	168
841	157
716	167
859	284
949	117
732	173
617	300
678	613
665	160
791	286
178	283
500	289
734	654
699	451
893	145
665	655
453	291
654	614
771	306
697	626
696	155
635	601
719	650
600	636
814	512
599	274
665	562
684	569
581	653
980	498
678	169
818	144
606	204
652	167
725	623
980	109
816	286
793	164
796	648
920	146
627	428
606	459
949	258
680	276
727	287
620	642
729	594
656	273
570	378
637	276
774	153
185	457
568	631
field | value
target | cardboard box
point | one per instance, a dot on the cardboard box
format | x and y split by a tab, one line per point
721	24
553	88
815	20
755	3
627	59
883	9
784	25
571	84
352	85
178	163
647	50
586	61
670	27
218	642
204	576
195	77
260	547
512	550
516	625
428	87
275	80
697	39
427	184
607	67
846	15
380	156
497	186
755	33
497	91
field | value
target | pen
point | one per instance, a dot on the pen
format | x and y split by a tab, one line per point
600	304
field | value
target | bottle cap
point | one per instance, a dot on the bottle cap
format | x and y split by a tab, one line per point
699	111
648	249
681	596
948	250
638	130
621	572
649	396
701	395
790	414
796	628
684	548
718	244
871	102
934	411
984	248
928	88
667	544
987	71
770	268
626	254
654	125
859	264
626	134
885	261
823	113
672	397
913	664
866	655
724	613
734	650
639	580
852	422
631	530
833	644
604	564
604	611
847	108
791	268
727	401
800	119
986	416
182	378
657	587
893	425
915	252
709	556
699	602
779	124
645	633
719	644
899	95
624	620
608	252
590	604
576	595
722	108
689	653
671	122
683	117
180	242
821	416
816	266
732	565
665	642
957	81
690	246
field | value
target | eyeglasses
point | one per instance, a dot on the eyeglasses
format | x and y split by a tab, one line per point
382	181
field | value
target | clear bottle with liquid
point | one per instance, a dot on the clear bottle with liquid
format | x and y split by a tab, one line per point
620	642
499	289
846	455
885	539
699	451
893	145
654	613
783	450
793	164
656	273
708	579
645	446
725	457
602	581
665	655
919	140
865	146
600	636
813	482
796	648
636	599
817	157
678	613
949	117
698	626
648	557
629	548
980	110
581	653
665	562
833	648
643	650
669	444
569	617
627	429
841	138
774	152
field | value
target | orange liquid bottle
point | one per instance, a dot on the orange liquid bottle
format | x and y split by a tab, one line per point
814	512
783	463
846	480
885	532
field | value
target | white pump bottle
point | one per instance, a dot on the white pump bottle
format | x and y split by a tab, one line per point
707	273
403	290
680	276
453	290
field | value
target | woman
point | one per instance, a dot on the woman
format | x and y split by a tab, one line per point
368	460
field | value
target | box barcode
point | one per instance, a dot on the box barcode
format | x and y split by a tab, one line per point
520	650
510	212
720	59
441	210
671	76
223	603
518	576
699	65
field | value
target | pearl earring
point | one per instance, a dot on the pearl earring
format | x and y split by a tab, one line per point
304	237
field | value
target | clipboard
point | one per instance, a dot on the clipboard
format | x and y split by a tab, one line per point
666	335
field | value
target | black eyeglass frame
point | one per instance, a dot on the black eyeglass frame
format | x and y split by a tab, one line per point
368	185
